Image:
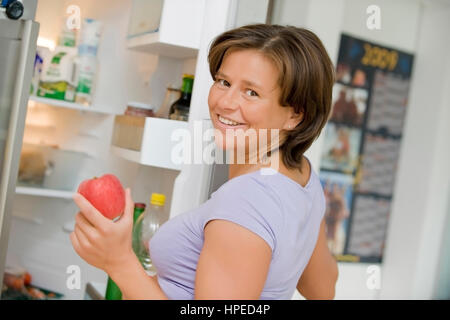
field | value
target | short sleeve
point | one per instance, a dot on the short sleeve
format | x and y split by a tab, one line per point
249	203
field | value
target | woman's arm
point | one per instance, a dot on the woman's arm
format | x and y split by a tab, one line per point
107	245
233	263
318	280
135	283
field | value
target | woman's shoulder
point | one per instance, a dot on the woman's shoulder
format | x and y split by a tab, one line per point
254	185
246	200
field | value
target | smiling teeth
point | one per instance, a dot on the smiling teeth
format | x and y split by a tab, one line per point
227	121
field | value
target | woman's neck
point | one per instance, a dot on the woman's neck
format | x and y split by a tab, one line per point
235	170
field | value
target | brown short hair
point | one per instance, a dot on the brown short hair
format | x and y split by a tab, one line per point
306	76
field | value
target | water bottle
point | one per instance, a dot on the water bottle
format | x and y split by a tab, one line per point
145	227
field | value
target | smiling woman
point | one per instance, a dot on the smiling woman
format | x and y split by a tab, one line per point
261	234
256	235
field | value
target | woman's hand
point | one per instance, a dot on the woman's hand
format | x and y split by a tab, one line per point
100	241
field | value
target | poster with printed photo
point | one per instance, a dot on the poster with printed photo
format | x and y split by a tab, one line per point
362	140
338	195
341	148
349	105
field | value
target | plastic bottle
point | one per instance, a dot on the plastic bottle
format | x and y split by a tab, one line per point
87	74
145	227
87	62
139	209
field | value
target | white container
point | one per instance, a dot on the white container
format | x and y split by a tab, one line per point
58	76
48	167
68	35
86	76
64	171
90	35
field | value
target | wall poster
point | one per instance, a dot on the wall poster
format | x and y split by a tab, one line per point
361	146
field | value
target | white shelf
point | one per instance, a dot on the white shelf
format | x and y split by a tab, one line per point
150	43
70	105
41	192
138	157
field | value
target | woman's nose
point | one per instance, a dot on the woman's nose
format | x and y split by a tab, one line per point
230	100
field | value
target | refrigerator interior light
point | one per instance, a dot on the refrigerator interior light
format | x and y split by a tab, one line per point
47	43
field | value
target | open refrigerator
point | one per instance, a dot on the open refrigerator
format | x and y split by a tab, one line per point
145	48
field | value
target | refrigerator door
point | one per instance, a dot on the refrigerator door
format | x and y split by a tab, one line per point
17	54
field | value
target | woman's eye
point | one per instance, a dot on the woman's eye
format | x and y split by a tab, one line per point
223	82
251	93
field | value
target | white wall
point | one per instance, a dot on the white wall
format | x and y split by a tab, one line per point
418	209
442	290
416	227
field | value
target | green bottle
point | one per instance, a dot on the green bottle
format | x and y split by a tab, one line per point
180	108
112	290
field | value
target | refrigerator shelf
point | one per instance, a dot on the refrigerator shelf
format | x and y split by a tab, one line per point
70	105
151	43
48	193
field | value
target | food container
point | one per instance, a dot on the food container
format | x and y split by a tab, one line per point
128	132
49	167
139	109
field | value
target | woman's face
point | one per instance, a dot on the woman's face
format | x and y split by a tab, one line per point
246	92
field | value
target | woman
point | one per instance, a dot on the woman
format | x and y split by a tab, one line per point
259	236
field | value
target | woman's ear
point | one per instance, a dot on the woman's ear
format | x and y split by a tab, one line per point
294	119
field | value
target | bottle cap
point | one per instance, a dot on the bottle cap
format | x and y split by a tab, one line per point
158	199
189	76
139	205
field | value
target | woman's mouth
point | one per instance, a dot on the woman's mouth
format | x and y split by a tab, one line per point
228	123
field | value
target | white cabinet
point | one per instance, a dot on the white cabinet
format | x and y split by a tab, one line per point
179	32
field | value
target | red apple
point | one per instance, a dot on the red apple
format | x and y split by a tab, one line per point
106	194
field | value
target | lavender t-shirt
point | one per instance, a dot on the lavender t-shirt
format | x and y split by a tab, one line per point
275	207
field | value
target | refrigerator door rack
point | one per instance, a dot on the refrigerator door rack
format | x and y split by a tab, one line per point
168	38
147	141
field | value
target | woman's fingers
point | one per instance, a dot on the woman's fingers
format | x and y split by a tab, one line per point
127	216
75	242
82	238
85	226
90	212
